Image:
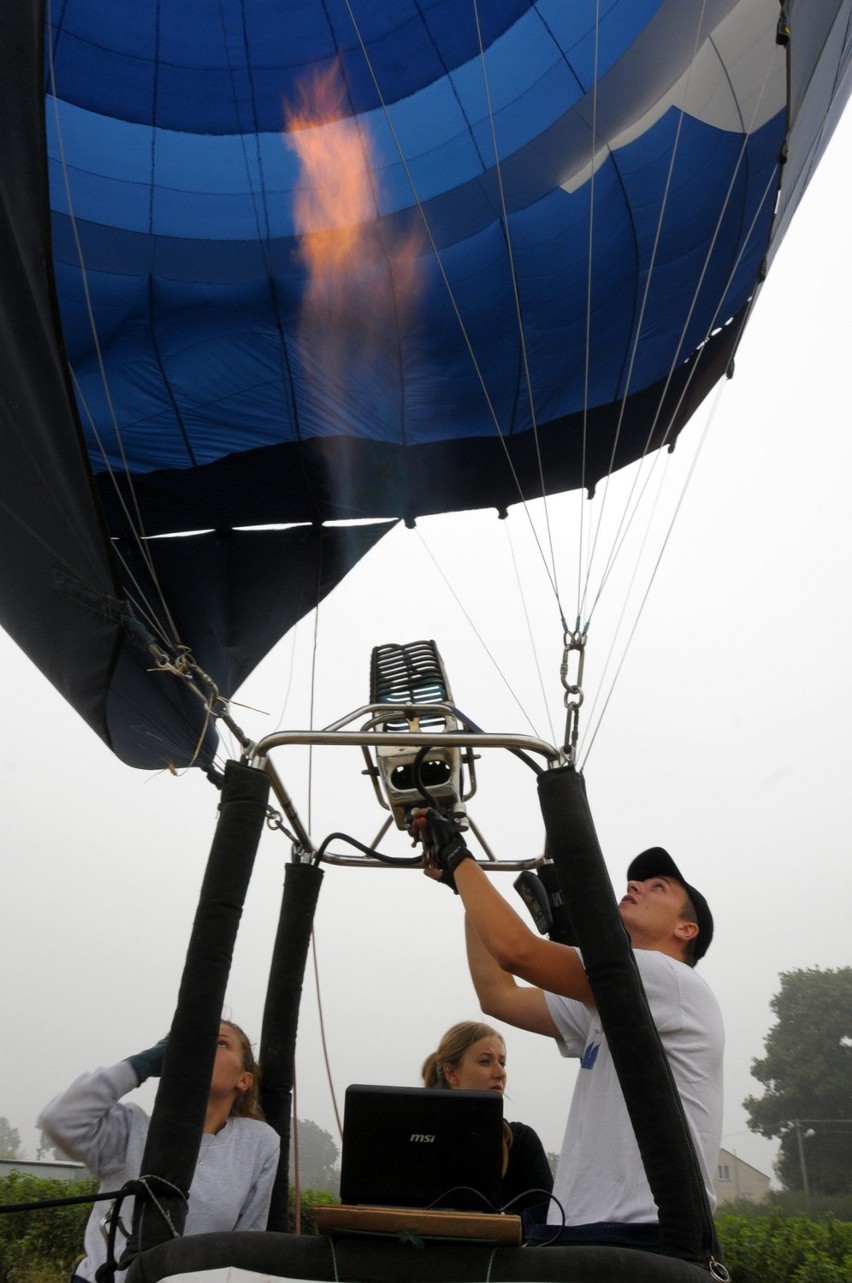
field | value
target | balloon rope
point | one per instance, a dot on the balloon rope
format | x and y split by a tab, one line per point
769	188
635	496
325	1055
63	164
168	632
450	294
633	500
474	629
517	300
591	738
297	1165
587	356
676	360
254	165
625	522
313	687
320	1012
584	589
530	635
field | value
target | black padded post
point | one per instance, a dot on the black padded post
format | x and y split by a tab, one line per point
281	1018
650	1092
177	1120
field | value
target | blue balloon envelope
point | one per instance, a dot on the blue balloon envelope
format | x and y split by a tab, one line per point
282	265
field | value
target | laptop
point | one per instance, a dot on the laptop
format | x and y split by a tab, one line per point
422	1147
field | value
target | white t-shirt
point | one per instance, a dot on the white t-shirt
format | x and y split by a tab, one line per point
600	1176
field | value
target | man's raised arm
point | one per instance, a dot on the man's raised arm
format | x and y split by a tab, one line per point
500	995
512	945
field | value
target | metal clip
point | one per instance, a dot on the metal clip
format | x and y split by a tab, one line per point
573	641
275	821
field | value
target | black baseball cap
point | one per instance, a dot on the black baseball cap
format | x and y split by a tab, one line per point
657	863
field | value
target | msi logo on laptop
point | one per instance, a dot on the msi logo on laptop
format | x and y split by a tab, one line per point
421	1147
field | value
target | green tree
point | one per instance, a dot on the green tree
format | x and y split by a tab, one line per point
10	1140
807	1076
317	1158
47	1149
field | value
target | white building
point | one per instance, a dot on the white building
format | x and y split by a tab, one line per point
735	1179
49	1169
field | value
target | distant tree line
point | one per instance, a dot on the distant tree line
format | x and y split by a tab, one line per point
10	1140
806	1071
318	1154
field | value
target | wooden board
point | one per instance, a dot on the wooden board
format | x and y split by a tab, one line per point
336	1218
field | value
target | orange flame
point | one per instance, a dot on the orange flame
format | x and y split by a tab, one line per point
334	204
363	278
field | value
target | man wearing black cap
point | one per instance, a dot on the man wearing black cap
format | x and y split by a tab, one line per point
657	863
600	1180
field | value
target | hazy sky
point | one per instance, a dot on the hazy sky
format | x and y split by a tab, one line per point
726	740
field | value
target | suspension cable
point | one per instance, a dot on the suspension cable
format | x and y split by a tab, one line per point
637	332
705	266
451	295
507	233
469	619
646	594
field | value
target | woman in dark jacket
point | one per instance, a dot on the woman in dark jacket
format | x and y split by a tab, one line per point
472	1057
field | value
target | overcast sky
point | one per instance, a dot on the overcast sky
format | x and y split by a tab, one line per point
726	740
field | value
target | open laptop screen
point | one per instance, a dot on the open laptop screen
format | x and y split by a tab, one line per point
415	1146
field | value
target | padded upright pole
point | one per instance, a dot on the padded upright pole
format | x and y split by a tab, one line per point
281	1019
177	1121
650	1092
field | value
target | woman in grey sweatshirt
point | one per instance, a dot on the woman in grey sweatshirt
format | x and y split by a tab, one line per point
236	1164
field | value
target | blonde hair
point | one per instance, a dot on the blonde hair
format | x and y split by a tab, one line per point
247	1104
451	1049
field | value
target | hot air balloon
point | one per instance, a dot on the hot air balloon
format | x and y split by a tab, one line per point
279	277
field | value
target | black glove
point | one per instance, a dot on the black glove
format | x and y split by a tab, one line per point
447	849
148	1063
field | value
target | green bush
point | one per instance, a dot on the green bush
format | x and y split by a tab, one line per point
309	1199
42	1247
774	1248
792	1202
760	1244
